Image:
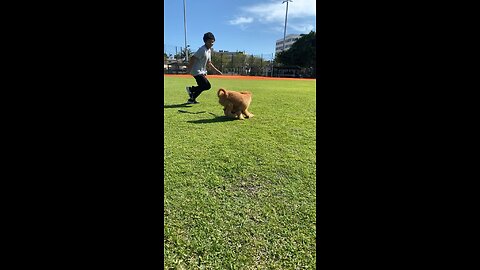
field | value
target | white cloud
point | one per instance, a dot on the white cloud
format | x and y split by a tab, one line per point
302	28
241	21
274	11
278	29
298	28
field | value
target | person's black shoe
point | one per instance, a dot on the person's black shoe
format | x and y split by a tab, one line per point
192	101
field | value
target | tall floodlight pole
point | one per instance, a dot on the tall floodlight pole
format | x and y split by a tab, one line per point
285	31
185	28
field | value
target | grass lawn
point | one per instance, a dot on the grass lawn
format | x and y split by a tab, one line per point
240	194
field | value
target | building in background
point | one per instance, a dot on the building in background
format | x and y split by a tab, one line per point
289	40
227	52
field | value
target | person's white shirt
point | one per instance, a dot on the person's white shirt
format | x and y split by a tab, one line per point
202	56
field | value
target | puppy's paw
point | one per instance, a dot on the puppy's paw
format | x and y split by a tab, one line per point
248	114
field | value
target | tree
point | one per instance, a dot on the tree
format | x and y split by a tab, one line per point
239	62
302	53
181	54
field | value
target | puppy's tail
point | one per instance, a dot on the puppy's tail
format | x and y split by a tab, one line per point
246	92
221	92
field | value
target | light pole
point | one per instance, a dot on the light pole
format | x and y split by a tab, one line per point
285	31
185	28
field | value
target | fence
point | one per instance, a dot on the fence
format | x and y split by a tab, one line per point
233	63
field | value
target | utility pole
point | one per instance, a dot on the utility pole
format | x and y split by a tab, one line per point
261	63
185	27
285	31
273	63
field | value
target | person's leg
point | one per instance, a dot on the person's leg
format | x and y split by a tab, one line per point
203	84
190	90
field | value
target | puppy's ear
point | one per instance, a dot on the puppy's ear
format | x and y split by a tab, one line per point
221	91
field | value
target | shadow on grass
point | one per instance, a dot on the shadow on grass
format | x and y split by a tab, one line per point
212	120
182	111
200	121
183	105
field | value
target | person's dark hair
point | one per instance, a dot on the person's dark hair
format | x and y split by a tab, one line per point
208	36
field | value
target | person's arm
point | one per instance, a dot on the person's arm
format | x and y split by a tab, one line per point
191	62
214	68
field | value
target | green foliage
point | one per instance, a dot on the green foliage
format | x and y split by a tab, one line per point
181	54
227	62
240	194
302	53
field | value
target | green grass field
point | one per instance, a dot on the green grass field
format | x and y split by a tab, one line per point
240	194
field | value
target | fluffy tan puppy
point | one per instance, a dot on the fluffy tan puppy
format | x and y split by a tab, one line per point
235	104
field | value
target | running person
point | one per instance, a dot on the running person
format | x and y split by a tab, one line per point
197	66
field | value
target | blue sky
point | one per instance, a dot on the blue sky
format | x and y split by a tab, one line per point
252	26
